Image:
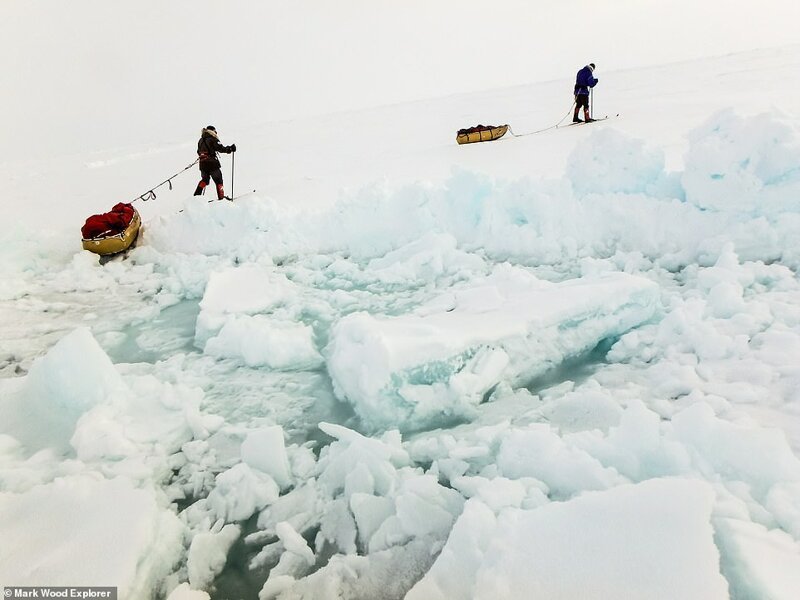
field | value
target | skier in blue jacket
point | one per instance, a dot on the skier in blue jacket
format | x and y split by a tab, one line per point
583	82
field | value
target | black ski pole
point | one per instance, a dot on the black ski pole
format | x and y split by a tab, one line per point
591	103
233	171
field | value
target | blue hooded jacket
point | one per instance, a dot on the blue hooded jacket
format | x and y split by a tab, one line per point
584	81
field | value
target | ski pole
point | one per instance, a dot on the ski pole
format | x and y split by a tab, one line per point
591	103
233	171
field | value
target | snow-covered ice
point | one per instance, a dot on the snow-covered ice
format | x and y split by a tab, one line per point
438	362
628	542
84	530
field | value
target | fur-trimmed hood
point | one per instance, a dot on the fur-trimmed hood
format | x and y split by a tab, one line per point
210	132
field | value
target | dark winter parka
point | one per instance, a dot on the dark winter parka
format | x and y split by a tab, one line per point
207	149
584	81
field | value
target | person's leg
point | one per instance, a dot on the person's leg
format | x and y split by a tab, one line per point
205	178
216	175
581	101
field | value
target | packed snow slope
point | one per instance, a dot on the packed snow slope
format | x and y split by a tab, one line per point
90	75
563	365
311	162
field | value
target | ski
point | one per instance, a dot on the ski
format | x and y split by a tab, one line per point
241	195
585	122
590	122
229	199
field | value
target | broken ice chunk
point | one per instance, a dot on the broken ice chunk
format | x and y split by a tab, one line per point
410	371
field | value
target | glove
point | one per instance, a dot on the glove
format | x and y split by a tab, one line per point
233	147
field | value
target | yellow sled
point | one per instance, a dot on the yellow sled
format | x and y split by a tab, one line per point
481	134
114	243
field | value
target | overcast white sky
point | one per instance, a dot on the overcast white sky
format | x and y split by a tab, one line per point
90	74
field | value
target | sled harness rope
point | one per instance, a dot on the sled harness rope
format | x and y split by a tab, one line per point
546	128
151	194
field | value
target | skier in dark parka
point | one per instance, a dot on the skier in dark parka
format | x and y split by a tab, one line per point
207	148
583	81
